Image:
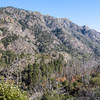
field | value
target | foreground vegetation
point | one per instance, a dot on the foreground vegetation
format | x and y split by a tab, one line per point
9	91
47	76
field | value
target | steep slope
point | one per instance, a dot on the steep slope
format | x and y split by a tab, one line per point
31	32
36	49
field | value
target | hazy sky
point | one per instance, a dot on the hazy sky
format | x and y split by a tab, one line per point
81	12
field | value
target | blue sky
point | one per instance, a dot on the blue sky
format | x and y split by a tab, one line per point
81	12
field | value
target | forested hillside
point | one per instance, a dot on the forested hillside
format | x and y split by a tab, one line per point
47	58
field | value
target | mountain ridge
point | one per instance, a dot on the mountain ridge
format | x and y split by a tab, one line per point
29	20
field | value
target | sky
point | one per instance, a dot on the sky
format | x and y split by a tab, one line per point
81	12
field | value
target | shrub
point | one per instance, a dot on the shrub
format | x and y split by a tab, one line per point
9	91
8	39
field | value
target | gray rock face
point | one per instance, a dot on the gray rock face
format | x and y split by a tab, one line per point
43	33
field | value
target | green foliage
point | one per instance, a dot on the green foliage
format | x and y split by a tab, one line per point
53	96
9	91
32	75
65	83
7	57
4	31
8	39
42	71
23	23
95	81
